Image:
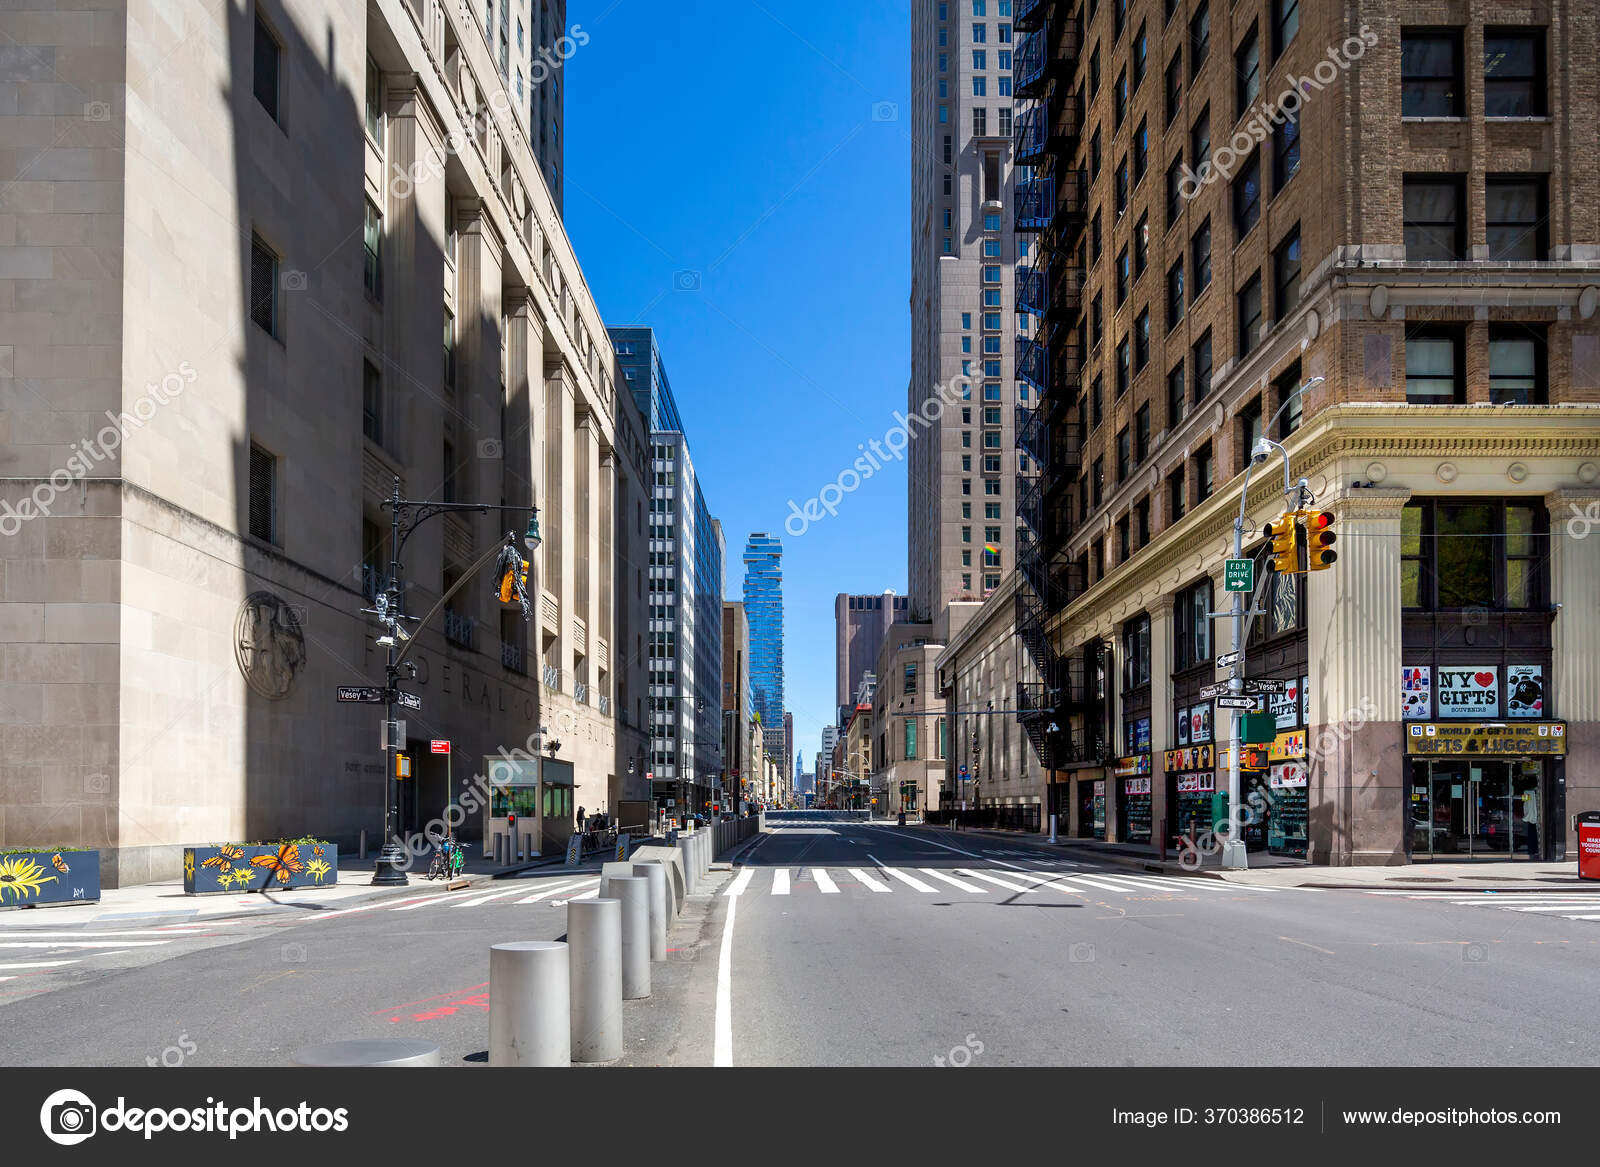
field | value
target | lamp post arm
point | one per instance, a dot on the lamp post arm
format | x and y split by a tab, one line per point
471	572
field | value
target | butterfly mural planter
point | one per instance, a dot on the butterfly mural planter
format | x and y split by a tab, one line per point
241	867
48	876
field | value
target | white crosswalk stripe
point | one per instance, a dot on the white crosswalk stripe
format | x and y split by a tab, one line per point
1566	906
824	881
740	882
780	882
961	884
119	944
1054	883
1007	884
38	964
557	890
911	881
863	878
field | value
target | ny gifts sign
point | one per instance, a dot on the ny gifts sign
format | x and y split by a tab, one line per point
1468	692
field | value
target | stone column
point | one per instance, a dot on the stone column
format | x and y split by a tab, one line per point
478	470
1574	685
1161	722
1356	756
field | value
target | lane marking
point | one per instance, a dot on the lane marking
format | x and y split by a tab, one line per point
780	882
389	905
81	935
1008	885
1313	947
722	1042
952	880
825	882
1054	884
39	964
84	943
866	879
1105	885
740	882
537	896
911	881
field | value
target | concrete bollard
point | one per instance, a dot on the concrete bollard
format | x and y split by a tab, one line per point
633	893
594	942
655	875
530	1004
690	871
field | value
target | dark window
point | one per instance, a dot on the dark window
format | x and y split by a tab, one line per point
1430	73
1175	507
1094	155
1124	376
1191	624
1122	186
1513	73
1174	87
1200	245
1247	196
1123	549
1176	395
1141	433
374	102
1517	368
1251	329
1202	367
1435	227
1199	41
1141	246
1120	107
268	78
1136	652
1094	237
1435	366
1141	152
1124	454
1286	275
1141	522
1204	478
263	495
263	285
1175	294
1200	139
1123	278
1098	479
1141	57
372	252
1285	23
448	490
1141	341
371	401
1288	405
449	349
1285	152
1094	71
1486	553
1096	320
1174	190
1249	431
1247	66
1514	217
1097	393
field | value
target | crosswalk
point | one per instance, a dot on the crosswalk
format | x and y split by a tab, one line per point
1562	905
28	952
1009	880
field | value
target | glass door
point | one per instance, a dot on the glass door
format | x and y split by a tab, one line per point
1449	829
1484	809
1489	784
1527	810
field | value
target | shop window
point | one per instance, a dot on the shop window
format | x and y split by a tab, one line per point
1192	626
1136	652
1473	554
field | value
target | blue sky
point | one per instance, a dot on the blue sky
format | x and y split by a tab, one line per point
750	145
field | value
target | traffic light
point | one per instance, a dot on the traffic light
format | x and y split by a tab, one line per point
1254	758
1319	537
1284	532
514	581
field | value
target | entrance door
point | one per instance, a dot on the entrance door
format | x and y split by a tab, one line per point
1475	809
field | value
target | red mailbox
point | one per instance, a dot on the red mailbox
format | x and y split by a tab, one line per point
1588	825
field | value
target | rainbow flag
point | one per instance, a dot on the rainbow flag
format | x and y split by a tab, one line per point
992	548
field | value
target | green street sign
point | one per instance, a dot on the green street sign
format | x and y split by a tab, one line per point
1239	575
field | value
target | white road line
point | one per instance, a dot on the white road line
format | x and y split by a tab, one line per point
1541	907
932	843
866	879
1053	884
592	894
557	890
84	943
722	1041
780	882
78	935
1107	885
395	906
475	900
825	882
911	881
950	879
39	964
1140	882
1007	884
740	882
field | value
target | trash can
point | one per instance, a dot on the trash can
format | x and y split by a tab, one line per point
1587	825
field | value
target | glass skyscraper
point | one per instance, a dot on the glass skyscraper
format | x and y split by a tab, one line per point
763	603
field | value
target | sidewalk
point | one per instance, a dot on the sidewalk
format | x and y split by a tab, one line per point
1283	871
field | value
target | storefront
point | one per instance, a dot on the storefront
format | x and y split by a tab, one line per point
1134	805
1092	808
1191	788
1277	795
1487	790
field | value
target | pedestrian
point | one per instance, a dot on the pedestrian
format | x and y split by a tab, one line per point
582	814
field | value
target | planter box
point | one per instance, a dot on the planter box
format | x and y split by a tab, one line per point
244	867
49	877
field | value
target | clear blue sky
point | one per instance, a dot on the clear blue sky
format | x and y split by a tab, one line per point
749	143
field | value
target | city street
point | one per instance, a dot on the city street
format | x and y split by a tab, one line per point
852	944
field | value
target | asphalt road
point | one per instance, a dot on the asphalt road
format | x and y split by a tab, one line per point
866	945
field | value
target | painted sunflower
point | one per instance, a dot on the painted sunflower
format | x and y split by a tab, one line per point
317	869
21	876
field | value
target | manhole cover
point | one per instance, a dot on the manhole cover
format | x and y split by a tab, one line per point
1414	879
1495	878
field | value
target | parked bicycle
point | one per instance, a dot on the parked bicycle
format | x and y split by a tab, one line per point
449	859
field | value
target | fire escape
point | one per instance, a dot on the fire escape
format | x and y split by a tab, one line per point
1051	207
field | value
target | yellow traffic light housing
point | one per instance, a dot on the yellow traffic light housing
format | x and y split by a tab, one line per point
1284	532
1319	538
514	582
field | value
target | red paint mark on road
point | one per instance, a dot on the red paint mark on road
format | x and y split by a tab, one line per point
449	1009
396	1009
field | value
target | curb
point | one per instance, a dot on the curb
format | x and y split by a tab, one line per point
1507	889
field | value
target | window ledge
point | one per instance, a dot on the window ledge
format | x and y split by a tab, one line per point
1433	120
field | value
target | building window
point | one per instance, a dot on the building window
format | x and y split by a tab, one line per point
980	121
1435	228
1202	367
1204	477
1290	406
263	495
1173	88
1141	246
1141	434
1517	369
1191	625
1175	496
1124	454
1095	395
1200	139
1199	40
1122	187
1136	652
1285	152
1094	72
1174	190
1249	431
1430	73
908	687
1124	375
1141	151
1177	397
1098	481
1123	277
1247	196
1285	23
449	349
1513	73
1175	294
1141	57
1514	217
1120	106
1483	553
911	738
1286	275
374	103
268	74
263	285
372	252
1200	245
1141	341
1247	64
1435	373
1251	328
371	402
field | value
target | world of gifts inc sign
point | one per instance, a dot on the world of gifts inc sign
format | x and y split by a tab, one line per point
1540	737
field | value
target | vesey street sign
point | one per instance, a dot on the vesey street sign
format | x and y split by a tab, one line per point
1266	685
367	694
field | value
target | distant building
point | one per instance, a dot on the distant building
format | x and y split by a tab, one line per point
859	624
763	602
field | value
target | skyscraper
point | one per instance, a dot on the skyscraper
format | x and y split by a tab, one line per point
763	602
859	626
963	468
529	44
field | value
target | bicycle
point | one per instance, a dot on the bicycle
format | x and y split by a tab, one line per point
449	860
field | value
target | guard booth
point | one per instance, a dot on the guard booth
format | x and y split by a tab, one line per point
538	791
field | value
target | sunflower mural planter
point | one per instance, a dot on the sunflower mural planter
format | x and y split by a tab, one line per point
28	878
259	867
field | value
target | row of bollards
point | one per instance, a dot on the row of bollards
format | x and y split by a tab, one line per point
553	1003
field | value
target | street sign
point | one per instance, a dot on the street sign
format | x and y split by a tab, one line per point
1220	689
1266	685
1228	658
439	747
366	694
1239	575
408	700
1236	702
